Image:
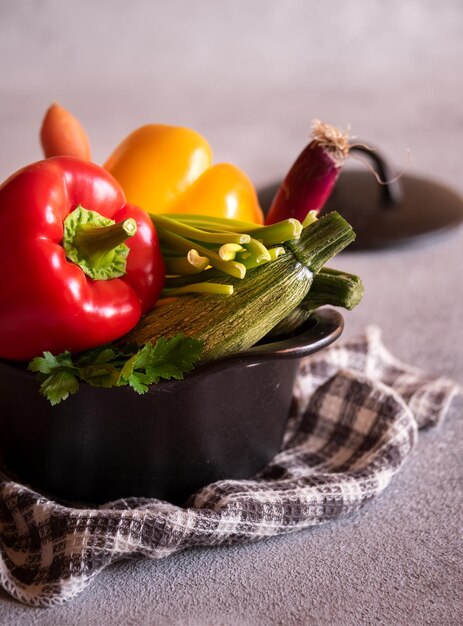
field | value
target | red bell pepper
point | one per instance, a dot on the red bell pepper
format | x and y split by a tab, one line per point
67	279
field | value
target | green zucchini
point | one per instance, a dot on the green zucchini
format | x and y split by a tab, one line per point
330	287
334	287
260	301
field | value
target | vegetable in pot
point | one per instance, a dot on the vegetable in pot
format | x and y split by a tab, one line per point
168	169
69	280
311	178
335	288
259	302
111	366
330	287
212	326
199	248
63	135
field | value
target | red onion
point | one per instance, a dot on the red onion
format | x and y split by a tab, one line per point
311	179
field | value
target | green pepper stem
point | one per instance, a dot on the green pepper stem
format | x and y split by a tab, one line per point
97	243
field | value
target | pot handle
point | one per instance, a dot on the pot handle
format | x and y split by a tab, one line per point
391	191
322	328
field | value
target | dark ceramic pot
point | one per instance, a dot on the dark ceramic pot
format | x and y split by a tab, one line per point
224	420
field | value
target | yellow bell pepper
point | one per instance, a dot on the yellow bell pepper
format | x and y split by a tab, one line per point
168	169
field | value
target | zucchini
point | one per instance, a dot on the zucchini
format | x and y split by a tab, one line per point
330	287
259	302
336	288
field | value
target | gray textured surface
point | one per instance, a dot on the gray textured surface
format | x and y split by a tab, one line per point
250	75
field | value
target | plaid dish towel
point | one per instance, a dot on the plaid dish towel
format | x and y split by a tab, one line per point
355	415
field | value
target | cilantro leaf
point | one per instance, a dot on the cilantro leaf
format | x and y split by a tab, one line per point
58	376
167	358
108	366
48	363
96	356
180	352
59	386
104	375
139	382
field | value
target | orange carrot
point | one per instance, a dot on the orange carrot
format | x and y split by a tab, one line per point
63	135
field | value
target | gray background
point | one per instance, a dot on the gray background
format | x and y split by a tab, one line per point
250	75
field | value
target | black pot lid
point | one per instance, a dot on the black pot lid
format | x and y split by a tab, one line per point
408	210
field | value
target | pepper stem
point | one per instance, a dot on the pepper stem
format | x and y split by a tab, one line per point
96	243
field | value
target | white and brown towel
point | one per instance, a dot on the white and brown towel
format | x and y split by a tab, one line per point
355	416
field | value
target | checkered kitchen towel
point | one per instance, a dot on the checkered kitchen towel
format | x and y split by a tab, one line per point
356	412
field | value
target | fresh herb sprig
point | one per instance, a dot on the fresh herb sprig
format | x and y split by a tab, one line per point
111	366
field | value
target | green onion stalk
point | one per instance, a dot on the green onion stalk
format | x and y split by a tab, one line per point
199	251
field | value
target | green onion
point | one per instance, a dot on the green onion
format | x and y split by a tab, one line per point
173	282
192	263
192	243
183	245
310	218
176	226
254	254
276	252
216	224
228	251
279	232
213	288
